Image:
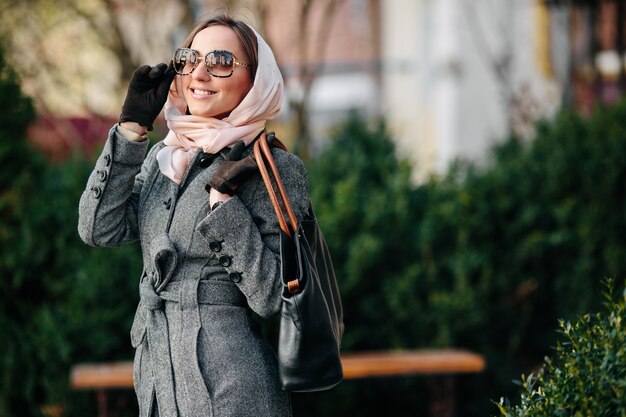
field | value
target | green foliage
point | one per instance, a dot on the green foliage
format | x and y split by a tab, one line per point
17	179
61	302
487	258
368	210
362	196
18	110
587	377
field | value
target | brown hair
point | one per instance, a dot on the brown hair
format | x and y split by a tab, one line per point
246	36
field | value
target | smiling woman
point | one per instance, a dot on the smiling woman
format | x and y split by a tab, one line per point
208	231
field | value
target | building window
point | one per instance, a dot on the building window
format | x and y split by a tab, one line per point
595	33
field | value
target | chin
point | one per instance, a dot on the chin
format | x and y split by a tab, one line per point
206	113
200	112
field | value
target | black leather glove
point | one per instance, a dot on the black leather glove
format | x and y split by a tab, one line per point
147	93
234	171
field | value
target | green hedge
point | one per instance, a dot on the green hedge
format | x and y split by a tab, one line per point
61	302
486	258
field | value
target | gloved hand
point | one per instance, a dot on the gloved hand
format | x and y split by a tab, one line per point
234	171
147	93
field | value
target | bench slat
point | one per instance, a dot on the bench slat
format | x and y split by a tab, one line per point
355	365
420	362
102	376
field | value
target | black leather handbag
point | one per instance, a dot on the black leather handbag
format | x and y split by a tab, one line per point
311	323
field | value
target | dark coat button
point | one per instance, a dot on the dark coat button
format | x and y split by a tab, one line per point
107	160
168	203
235	276
206	159
225	260
96	192
102	175
215	246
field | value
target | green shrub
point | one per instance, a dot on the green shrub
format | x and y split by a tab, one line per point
486	258
365	202
61	301
363	196
18	179
587	376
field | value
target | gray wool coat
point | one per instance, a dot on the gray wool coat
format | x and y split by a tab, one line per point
199	351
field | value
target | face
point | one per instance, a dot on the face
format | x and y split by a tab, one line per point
210	96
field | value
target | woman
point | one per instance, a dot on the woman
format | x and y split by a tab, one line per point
208	232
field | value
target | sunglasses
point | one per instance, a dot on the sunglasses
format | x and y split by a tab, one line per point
219	64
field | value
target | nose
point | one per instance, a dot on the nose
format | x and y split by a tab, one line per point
200	72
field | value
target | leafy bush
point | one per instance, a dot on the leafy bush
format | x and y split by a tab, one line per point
365	202
61	302
486	258
587	377
364	199
17	178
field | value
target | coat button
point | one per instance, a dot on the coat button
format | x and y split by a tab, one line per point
215	246
168	203
107	160
225	260
96	192
235	276
102	176
206	159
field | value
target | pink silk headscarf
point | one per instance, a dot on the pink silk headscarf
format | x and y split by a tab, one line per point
188	133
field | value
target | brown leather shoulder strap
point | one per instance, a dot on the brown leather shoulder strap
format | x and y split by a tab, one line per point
263	157
277	142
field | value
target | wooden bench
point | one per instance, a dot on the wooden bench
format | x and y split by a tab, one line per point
447	362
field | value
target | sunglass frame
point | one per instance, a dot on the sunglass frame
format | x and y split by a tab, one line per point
196	55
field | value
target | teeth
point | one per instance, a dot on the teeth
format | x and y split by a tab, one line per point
203	92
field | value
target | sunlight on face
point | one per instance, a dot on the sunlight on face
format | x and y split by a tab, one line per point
209	96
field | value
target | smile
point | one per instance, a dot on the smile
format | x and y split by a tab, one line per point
199	92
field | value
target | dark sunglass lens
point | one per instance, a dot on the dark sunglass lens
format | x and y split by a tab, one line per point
220	63
184	61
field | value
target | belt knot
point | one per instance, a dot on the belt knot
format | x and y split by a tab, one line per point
149	297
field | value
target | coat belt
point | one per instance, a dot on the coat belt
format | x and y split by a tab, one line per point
209	292
150	322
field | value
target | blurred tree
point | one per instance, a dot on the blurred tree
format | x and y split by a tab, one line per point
486	259
78	56
313	30
493	38
497	58
75	53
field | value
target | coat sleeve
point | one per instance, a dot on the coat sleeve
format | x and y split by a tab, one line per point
107	212
248	234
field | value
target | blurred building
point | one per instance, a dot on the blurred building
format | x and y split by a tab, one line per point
458	75
454	76
450	76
